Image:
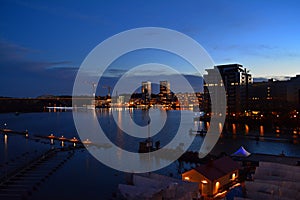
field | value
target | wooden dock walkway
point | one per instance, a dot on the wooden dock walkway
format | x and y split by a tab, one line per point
22	182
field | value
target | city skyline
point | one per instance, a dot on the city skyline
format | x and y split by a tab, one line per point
43	43
192	99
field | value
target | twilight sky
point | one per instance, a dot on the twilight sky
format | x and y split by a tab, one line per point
43	43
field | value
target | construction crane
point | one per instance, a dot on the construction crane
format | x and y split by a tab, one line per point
108	89
94	87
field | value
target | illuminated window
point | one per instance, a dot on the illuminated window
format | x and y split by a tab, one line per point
187	178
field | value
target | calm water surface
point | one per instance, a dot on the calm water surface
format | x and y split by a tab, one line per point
83	175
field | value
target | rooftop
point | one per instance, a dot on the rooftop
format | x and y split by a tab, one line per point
217	168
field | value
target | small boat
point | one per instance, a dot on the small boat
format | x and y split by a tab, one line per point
146	146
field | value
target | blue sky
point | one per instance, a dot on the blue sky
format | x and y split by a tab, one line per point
42	43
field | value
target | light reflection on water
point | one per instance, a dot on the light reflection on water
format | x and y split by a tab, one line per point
220	127
246	129
62	124
93	173
5	142
233	128
261	130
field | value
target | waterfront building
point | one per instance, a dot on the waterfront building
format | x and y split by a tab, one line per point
275	96
153	186
189	99
293	92
215	177
236	80
164	92
121	100
146	91
269	96
164	87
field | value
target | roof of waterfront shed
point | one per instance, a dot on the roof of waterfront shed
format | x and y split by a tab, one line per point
217	168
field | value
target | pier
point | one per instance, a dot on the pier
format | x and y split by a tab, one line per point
9	131
21	182
23	174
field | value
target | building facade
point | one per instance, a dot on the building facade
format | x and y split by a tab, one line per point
275	96
293	92
146	91
215	177
164	92
236	80
269	96
164	87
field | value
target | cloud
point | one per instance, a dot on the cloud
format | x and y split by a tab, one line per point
24	76
117	72
114	72
155	71
16	57
10	51
245	48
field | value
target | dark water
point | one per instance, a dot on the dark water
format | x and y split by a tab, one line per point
85	177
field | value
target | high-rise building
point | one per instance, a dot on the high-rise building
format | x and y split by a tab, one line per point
164	92
121	100
164	87
146	91
236	80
